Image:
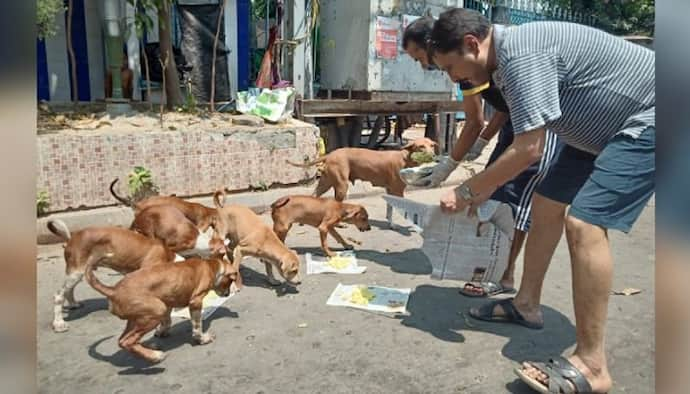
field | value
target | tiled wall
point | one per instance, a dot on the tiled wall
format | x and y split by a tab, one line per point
76	170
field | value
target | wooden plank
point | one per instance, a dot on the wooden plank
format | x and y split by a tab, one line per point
322	108
383	96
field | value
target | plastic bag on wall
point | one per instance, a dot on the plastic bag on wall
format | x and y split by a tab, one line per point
273	105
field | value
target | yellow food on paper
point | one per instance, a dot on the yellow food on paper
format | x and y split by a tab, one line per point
360	296
339	262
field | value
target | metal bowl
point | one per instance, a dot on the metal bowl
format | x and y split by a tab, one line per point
412	175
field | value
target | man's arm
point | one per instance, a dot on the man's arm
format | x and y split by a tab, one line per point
474	122
525	150
495	124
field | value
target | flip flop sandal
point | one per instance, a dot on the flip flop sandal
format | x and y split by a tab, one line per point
511	314
489	289
563	377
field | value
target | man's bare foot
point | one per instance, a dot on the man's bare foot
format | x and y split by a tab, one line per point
600	382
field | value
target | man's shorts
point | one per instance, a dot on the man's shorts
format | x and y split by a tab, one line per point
570	170
620	185
518	192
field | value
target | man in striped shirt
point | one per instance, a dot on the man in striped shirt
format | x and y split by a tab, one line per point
474	137
596	92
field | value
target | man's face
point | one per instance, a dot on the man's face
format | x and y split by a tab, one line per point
468	63
418	54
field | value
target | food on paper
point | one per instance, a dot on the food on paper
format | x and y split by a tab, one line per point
342	263
360	295
339	262
372	298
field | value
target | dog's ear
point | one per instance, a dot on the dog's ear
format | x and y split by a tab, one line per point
408	146
349	213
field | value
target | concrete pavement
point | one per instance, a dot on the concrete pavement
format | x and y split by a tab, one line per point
261	346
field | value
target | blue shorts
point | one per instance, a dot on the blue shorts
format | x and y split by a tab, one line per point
620	185
518	192
568	173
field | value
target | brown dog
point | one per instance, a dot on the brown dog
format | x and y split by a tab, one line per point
167	224
381	168
146	297
201	215
117	248
250	236
178	233
322	213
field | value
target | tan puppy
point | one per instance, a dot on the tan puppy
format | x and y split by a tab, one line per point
146	297
117	248
322	213
250	236
199	214
381	168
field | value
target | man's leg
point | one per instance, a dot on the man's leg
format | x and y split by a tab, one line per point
613	198
545	233
508	278
566	176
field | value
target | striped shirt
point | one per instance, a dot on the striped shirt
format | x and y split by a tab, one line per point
582	83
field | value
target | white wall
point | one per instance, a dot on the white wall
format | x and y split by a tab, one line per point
56	57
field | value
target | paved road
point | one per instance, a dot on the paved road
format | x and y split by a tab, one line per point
260	347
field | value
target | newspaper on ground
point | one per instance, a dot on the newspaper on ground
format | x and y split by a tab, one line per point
473	249
342	263
373	298
211	302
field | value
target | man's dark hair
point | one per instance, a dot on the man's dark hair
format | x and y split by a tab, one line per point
418	32
452	26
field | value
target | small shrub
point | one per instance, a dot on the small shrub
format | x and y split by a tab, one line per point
141	185
42	203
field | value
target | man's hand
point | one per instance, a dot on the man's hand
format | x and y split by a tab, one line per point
452	202
440	173
476	149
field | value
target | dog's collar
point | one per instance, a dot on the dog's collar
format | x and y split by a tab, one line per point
219	275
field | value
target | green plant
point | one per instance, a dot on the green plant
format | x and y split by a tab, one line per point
190	104
141	185
42	202
46	12
261	186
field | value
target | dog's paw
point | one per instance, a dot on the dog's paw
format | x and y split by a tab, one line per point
158	356
60	326
205	338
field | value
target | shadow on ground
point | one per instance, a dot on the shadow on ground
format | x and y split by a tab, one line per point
180	334
443	313
87	307
400	227
252	278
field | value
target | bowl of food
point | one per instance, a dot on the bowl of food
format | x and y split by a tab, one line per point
412	175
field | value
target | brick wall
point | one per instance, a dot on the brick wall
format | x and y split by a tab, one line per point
76	169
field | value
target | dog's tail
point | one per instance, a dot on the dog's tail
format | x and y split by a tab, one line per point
281	202
118	198
97	285
308	164
59	228
217	198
